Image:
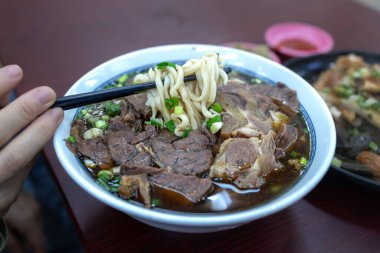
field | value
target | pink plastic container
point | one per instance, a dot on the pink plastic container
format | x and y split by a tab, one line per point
298	39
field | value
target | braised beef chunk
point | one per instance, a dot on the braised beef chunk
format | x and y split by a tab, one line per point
286	139
96	150
139	169
245	161
235	155
135	186
117	124
165	136
128	112
194	160
119	145
282	95
196	141
246	114
150	131
77	129
193	188
140	158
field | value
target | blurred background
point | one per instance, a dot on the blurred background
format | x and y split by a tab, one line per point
56	42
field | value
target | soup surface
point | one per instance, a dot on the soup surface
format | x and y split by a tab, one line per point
262	148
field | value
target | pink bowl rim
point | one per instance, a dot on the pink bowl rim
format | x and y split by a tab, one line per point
273	55
325	47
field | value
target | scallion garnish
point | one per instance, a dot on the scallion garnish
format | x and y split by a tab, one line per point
165	64
170	125
336	162
101	124
170	103
373	146
217	118
303	161
122	79
178	109
71	139
186	132
217	107
113	109
155	122
294	154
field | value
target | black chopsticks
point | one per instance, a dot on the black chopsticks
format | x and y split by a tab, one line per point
74	101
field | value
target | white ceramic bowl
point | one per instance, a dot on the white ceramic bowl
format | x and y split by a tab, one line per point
316	112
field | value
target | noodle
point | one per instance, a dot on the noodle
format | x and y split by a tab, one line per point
194	98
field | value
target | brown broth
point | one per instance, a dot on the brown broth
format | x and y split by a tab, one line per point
277	182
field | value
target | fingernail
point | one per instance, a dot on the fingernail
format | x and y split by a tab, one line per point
57	114
44	95
12	71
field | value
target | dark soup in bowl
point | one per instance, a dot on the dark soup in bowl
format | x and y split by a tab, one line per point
244	146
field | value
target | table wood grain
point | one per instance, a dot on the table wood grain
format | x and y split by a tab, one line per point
56	42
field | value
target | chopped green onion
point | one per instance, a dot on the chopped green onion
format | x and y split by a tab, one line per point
326	90
178	110
343	91
256	81
155	122
305	130
101	124
215	127
373	146
294	154
103	184
84	111
281	116
114	188
105	117
165	64
217	118
113	109
87	116
354	131
376	106
186	132
366	103
336	162
217	107
71	139
92	120
105	175
170	103
303	161
122	79
156	202
170	125
375	73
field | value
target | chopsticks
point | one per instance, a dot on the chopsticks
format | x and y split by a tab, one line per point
74	101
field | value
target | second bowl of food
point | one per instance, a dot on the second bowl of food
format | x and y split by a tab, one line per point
200	156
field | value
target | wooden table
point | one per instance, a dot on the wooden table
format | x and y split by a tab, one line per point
58	41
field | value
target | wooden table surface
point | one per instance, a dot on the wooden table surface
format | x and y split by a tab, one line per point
58	41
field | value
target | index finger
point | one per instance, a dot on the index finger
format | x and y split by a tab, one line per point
24	110
10	76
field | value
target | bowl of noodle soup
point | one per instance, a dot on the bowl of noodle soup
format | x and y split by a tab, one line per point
191	114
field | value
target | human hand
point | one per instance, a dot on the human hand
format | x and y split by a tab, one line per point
25	229
26	126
